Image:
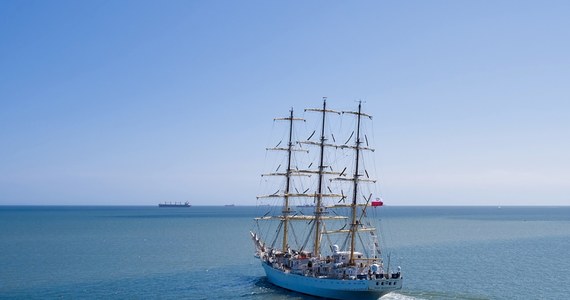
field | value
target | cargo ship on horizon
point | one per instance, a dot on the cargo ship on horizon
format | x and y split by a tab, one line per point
174	204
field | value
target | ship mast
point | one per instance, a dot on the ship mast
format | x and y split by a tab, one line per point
318	207
286	208
354	225
321	173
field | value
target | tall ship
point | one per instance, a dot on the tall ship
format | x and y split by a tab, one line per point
315	237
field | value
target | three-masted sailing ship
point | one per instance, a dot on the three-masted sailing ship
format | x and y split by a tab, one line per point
317	239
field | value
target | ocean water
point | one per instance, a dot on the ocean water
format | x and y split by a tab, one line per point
206	253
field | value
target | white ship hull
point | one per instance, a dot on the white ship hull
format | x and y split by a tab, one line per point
332	288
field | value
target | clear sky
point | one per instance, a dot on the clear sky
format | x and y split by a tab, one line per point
139	102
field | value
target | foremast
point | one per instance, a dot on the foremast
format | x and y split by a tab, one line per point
286	211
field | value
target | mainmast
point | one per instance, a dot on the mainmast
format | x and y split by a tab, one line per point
321	173
318	207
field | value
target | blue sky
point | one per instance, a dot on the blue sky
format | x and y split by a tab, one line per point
139	102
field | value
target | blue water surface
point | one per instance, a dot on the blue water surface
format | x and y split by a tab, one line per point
204	252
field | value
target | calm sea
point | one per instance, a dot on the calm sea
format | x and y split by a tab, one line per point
206	253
